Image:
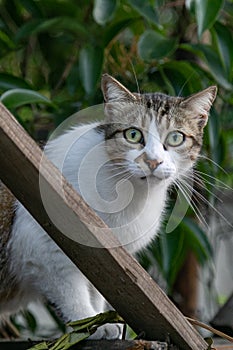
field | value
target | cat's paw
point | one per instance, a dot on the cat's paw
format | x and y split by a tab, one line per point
108	331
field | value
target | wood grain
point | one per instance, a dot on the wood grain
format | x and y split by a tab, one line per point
122	281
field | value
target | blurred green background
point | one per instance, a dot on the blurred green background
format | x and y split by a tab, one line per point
52	56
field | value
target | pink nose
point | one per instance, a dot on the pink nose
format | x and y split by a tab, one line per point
153	163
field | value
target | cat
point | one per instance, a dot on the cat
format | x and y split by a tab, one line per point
123	167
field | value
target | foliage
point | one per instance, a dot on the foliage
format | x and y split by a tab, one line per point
82	329
53	52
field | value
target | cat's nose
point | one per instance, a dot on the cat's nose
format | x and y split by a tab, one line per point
153	163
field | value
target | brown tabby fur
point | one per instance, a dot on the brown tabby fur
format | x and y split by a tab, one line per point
7	202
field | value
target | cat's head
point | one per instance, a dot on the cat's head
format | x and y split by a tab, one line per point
152	134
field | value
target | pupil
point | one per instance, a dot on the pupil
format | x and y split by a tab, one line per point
133	134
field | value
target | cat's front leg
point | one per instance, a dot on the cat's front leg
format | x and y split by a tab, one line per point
108	331
74	298
45	269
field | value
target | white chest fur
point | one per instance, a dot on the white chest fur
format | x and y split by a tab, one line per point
130	206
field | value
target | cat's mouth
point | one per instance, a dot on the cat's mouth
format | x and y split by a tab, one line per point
150	177
157	178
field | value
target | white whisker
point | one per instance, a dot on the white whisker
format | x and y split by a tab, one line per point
200	182
116	175
188	198
200	198
216	182
213	162
135	76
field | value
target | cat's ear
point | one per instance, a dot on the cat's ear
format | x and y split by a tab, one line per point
200	103
114	91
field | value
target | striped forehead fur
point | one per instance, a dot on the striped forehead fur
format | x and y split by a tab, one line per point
124	109
180	109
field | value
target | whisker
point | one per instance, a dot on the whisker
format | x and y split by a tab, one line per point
116	174
200	183
194	207
213	162
185	83
218	182
199	197
135	76
115	165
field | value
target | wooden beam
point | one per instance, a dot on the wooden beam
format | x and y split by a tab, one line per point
122	281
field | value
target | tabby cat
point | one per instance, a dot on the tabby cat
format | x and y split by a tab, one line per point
123	167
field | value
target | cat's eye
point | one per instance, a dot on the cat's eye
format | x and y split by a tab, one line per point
133	135
175	138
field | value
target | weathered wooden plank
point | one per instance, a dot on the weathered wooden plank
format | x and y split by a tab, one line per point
123	282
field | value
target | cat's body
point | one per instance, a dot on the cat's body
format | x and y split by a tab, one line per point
123	168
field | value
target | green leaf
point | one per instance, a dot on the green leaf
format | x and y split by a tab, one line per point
32	7
116	28
173	254
28	29
40	346
30	319
182	76
8	81
213	128
215	68
90	67
65	342
54	24
18	97
197	240
104	10
95	321
145	9
4	39
212	62
216	141
206	13
82	330
154	46
224	42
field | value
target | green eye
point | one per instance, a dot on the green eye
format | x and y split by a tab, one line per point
175	138
133	135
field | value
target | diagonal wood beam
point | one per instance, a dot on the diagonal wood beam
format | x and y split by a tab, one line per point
114	272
